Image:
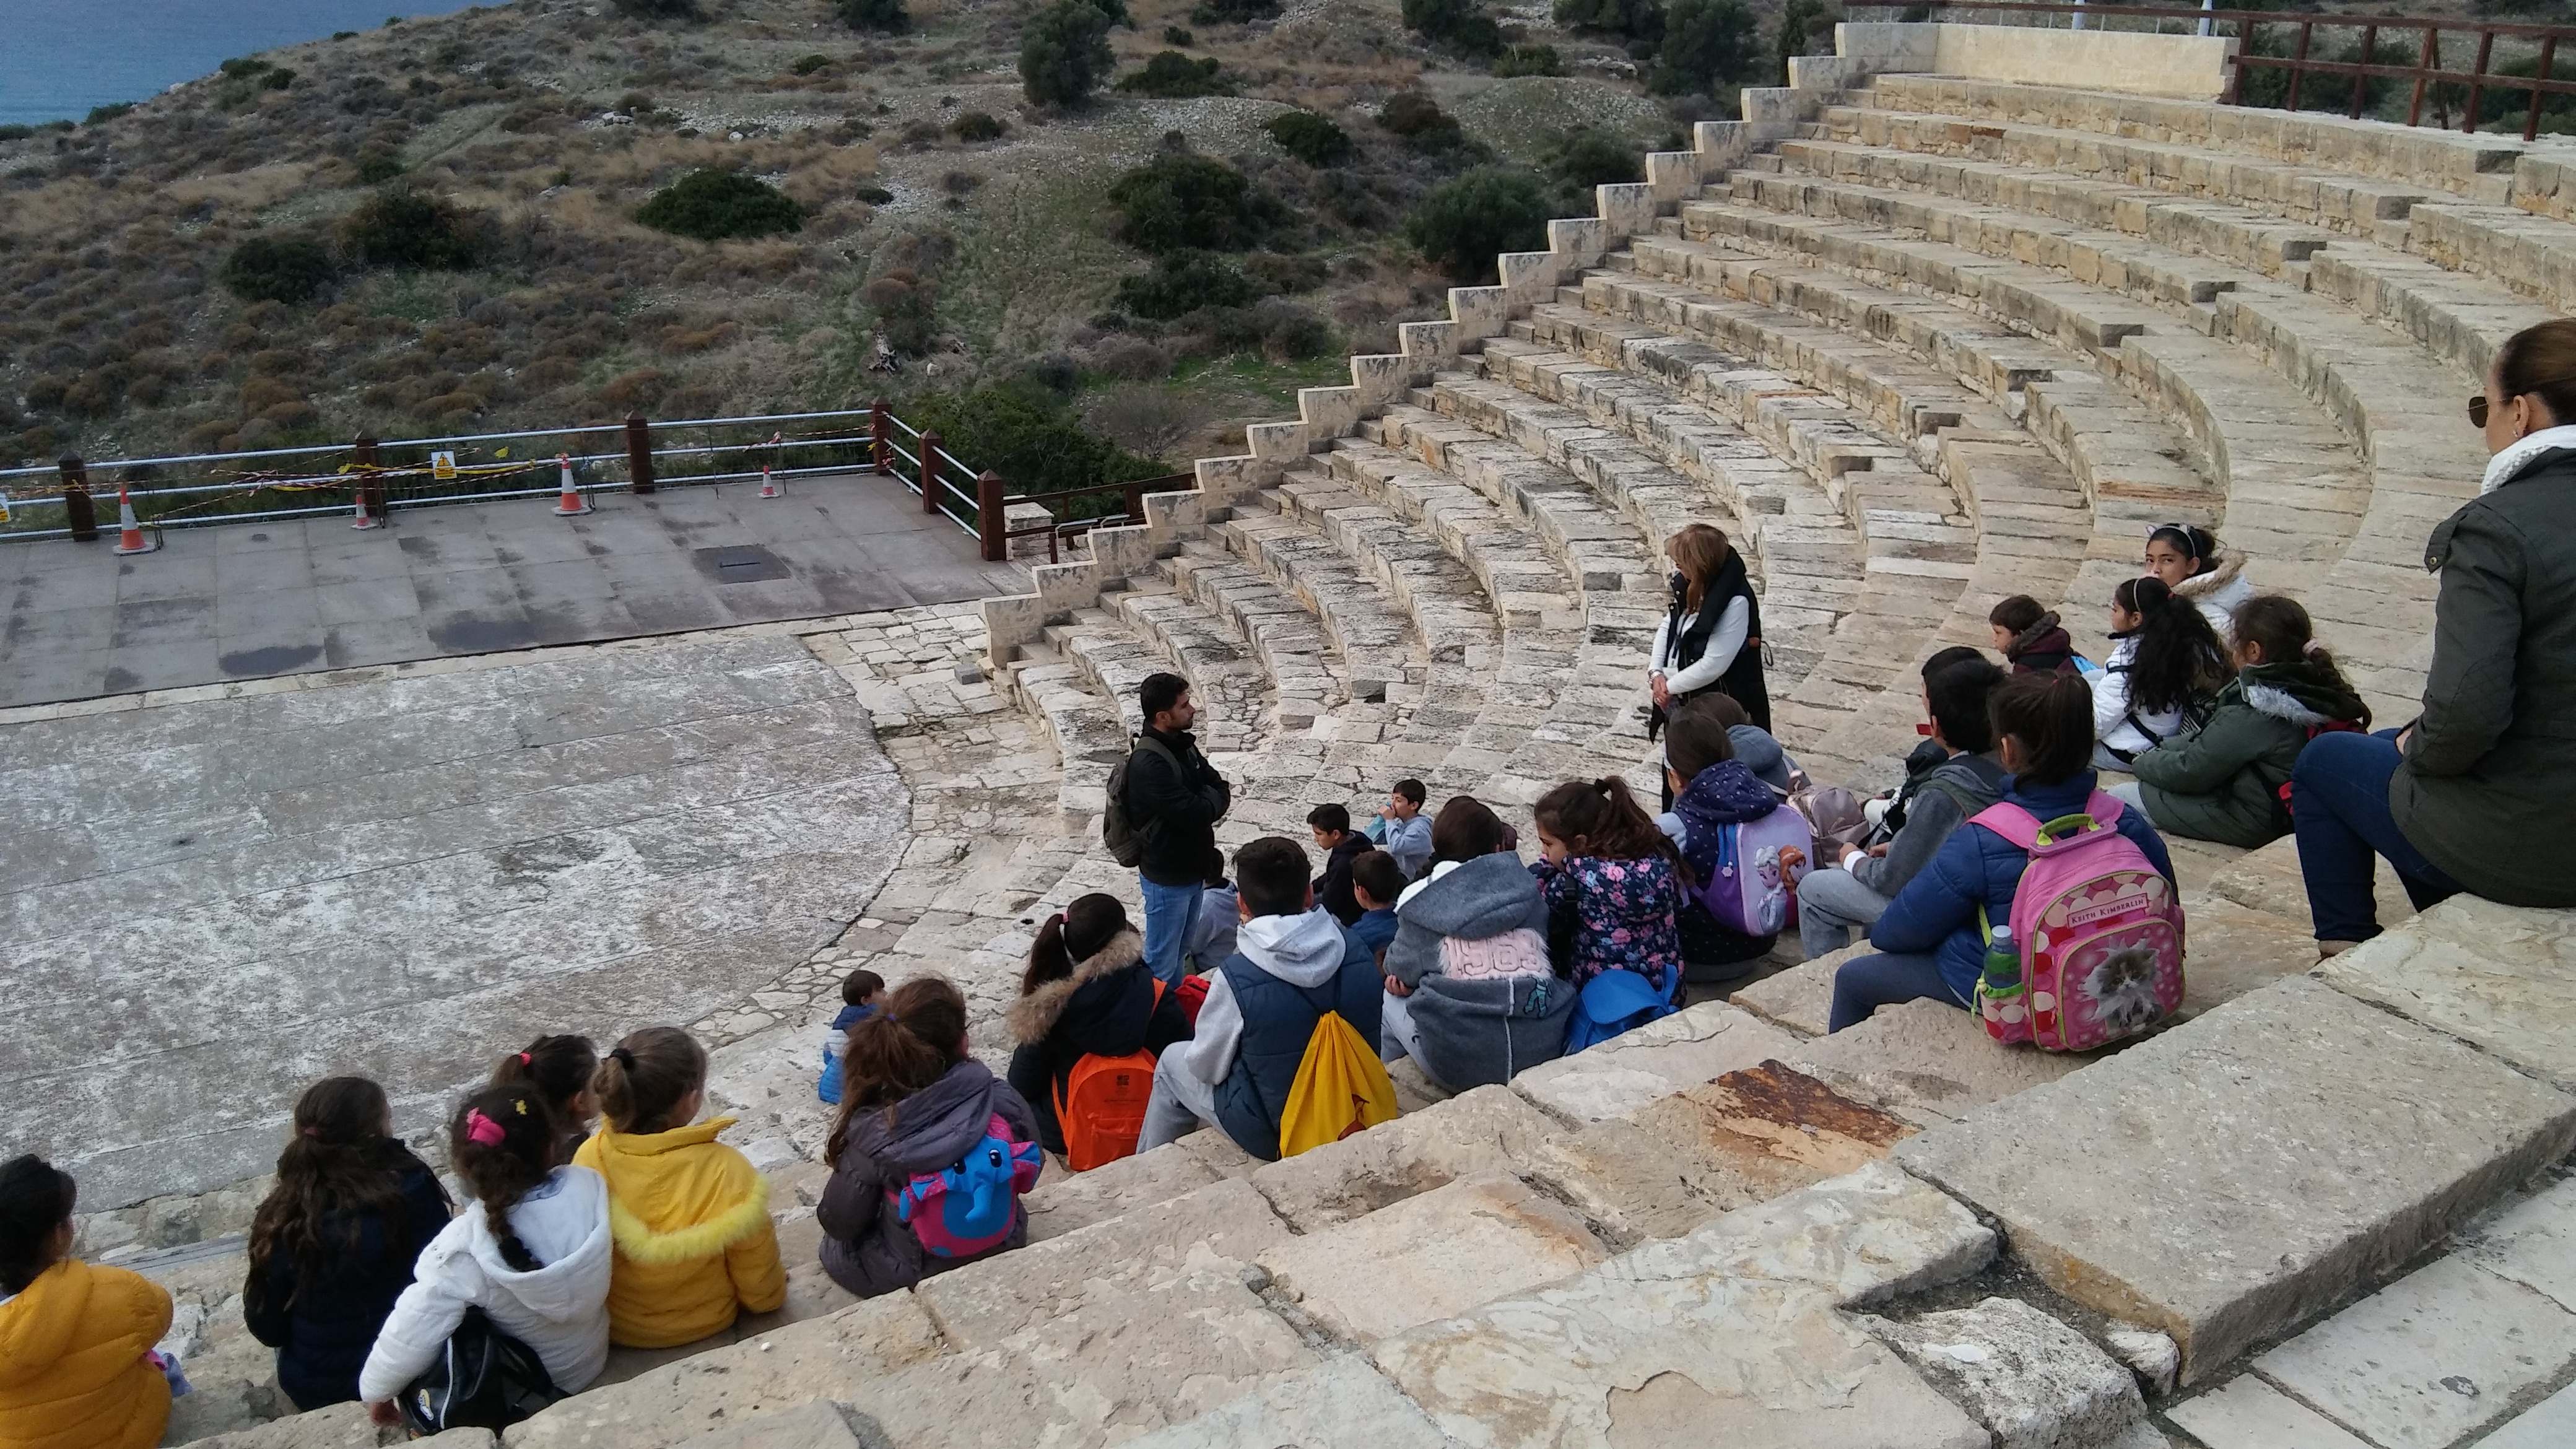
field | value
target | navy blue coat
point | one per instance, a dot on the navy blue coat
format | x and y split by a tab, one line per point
323	1327
1937	910
1278	1020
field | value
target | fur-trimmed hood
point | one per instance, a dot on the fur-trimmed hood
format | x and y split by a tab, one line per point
2301	694
2229	572
1034	1015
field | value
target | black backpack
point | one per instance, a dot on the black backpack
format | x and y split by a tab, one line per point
482	1379
1125	838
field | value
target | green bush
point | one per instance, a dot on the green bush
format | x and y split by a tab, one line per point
1636	19
1184	282
978	126
809	64
286	269
400	227
1420	121
378	167
906	309
111	112
1064	53
1310	138
1528	60
885	15
1232	12
873	195
1707	43
1798	22
1459	23
1173	76
16	133
713	205
1464	222
1176	35
1179	201
1589	158
1031	439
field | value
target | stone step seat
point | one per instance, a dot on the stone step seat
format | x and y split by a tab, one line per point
1081	722
1288	638
1381	659
1116	655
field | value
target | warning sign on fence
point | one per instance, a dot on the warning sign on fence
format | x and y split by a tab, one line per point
4	508
442	465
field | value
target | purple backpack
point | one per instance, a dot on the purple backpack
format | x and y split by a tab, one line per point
1754	883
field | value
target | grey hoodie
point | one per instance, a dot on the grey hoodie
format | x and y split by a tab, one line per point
1938	807
1474	1033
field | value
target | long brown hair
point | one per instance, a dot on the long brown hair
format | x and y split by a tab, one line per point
1606	818
503	1142
644	1077
1699	550
338	1168
899	1051
2281	626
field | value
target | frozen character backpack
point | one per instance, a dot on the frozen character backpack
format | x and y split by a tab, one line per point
1750	888
970	1207
2098	934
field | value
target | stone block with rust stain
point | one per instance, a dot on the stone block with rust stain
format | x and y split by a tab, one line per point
1772	1129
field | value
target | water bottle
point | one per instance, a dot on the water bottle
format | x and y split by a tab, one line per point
2003	960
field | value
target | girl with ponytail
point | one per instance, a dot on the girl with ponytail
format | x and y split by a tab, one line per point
560	1069
1612	881
913	1101
532	1251
1929	942
332	1245
1087	992
2165	664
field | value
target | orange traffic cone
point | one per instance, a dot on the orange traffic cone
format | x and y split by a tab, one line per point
571	505
768	486
129	538
365	519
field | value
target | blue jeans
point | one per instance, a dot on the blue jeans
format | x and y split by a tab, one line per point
2339	806
1863	984
1171	915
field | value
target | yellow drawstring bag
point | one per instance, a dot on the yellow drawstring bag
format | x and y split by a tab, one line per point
1341	1087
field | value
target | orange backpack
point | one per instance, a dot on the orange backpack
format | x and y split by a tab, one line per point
1101	1106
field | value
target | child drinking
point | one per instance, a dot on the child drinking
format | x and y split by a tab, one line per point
76	1363
689	1215
1612	883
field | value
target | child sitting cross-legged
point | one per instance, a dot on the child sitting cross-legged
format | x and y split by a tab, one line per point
532	1252
930	1153
76	1364
1472	993
688	1214
1713	786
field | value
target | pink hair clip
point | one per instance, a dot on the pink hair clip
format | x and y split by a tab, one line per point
481	1130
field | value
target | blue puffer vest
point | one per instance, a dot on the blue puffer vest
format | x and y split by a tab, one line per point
1278	1020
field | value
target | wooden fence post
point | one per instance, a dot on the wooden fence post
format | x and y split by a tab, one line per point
1135	502
77	508
370	486
880	437
930	472
639	453
990	521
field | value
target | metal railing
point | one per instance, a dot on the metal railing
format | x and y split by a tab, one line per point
2429	72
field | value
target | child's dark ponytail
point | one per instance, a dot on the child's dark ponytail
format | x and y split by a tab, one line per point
2179	659
2281	626
559	1067
1606	817
1072	936
644	1077
503	1143
899	1051
35	1201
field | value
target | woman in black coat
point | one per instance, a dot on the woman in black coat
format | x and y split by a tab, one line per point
1087	992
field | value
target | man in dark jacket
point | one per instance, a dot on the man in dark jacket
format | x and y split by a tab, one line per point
1175	798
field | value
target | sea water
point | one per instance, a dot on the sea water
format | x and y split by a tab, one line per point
60	58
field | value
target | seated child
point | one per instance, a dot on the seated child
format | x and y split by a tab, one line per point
1407	834
332	1246
560	1068
532	1252
1612	881
1376	881
2164	666
688	1214
1087	992
1341	845
862	996
1715	788
1292	963
1749	744
2224	782
77	1369
1212	930
1471	992
2029	637
917	1104
1853	891
1886	812
2043	726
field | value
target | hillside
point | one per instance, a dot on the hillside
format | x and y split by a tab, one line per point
523	140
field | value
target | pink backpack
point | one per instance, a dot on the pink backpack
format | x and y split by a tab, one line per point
2099	933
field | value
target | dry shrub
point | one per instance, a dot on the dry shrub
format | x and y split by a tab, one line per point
1131	358
261	393
681	341
1144	419
630	391
550	372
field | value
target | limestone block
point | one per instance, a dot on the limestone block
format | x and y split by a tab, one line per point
1341	1402
2533	1243
816	1359
1414	1089
462	1439
341	1426
2036	1382
1772	1129
1728	1336
1634	1185
2550	1424
2247	1413
1634	1068
1073	1200
2430	1359
2231	949
2496	975
1220	1226
2149	1354
814	1425
1477	1239
1484	1130
1802	997
2238	1172
1928	1062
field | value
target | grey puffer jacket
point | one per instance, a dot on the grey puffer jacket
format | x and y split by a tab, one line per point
1477	1032
865	1248
2490	767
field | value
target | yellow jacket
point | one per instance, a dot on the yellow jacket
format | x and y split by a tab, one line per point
690	1220
72	1371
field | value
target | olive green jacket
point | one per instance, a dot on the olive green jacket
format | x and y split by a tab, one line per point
2224	783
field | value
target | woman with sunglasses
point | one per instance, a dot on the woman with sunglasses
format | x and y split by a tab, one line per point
2473	795
2188	560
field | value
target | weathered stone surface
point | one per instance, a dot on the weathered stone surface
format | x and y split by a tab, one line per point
2429	1359
1218	1227
814	1425
2549	1424
461	1439
816	1359
1633	1184
2268	880
2247	1413
1475	1240
1927	1062
2532	1243
1340	1402
1079	1199
2232	949
1484	1130
1802	997
2496	975
2237	1172
1772	1129
1728	1336
2149	1354
1628	1071
2036	1382
1414	1089
341	1426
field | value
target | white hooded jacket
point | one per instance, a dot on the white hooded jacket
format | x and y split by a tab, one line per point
560	1310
